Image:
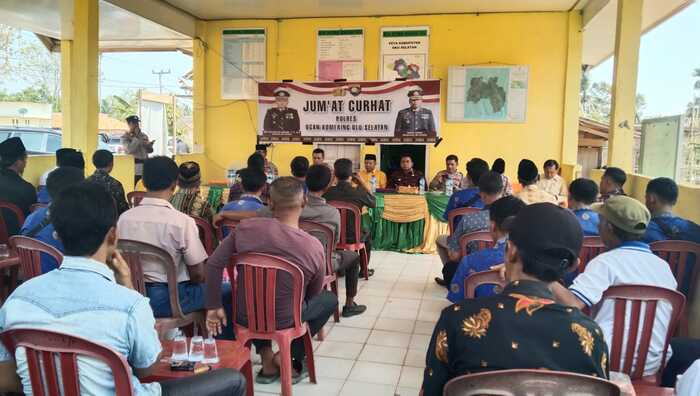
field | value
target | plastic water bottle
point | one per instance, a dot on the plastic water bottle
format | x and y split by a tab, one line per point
449	186
422	186
373	183
231	177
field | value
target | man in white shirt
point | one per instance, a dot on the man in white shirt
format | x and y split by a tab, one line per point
623	221
157	222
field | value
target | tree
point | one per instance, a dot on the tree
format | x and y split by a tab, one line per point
120	106
23	58
596	101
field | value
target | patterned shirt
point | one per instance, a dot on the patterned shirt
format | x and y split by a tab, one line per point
113	187
189	202
533	194
438	182
472	222
523	327
481	260
467	198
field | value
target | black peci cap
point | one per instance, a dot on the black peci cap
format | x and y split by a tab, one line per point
547	233
527	170
12	149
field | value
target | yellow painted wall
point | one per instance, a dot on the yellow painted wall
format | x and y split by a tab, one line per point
538	40
123	169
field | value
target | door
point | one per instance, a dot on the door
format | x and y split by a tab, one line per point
337	151
589	158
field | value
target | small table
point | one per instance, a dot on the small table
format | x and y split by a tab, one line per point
651	390
232	354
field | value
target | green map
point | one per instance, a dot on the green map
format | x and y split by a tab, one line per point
486	94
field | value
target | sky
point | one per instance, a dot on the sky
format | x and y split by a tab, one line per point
667	56
121	71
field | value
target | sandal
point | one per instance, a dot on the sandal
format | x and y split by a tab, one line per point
265	379
300	376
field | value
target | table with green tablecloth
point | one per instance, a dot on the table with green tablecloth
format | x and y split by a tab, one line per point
407	222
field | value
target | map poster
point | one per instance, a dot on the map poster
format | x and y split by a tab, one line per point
340	54
349	112
404	53
242	63
487	93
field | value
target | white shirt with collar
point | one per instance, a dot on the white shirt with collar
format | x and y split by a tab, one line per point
630	263
157	222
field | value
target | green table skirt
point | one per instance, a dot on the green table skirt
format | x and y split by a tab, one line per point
389	235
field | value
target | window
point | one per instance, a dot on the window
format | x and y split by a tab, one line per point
32	141
53	143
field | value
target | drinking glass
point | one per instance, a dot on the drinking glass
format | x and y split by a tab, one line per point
179	349
211	355
4	251
196	349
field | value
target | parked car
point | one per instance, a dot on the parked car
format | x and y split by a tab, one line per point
43	140
115	144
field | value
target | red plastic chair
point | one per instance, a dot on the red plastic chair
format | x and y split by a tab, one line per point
346	208
633	296
327	237
135	251
206	234
591	247
458	212
491	277
37	206
684	259
482	240
134	198
529	382
16	212
228	225
29	252
259	274
44	346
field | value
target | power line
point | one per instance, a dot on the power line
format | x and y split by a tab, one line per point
160	78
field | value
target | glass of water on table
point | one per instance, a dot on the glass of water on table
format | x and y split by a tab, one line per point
211	355
196	349
179	349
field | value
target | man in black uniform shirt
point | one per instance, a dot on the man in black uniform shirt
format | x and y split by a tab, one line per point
415	118
14	189
406	176
281	118
523	327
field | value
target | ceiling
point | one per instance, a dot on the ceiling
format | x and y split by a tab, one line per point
270	9
120	30
599	31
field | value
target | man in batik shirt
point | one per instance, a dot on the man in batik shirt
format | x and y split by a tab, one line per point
187	199
523	327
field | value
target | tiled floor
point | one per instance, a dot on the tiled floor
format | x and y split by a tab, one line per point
381	352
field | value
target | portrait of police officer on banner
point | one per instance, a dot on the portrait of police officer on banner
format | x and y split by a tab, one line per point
415	118
281	118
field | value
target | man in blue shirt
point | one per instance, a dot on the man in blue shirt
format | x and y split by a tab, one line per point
501	214
490	190
64	157
38	224
582	194
91	296
253	181
469	197
661	196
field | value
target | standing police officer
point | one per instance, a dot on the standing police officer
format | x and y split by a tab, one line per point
415	118
281	118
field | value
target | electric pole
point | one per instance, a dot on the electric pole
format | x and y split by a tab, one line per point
160	78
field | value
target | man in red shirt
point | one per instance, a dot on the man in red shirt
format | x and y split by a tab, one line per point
279	236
